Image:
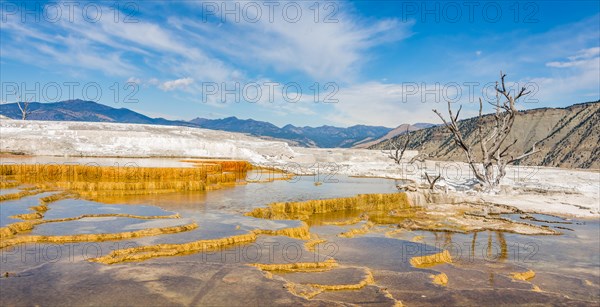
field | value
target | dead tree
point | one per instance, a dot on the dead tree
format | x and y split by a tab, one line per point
432	181
495	155
24	108
396	152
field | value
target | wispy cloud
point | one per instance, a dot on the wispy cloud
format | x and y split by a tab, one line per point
586	54
387	104
172	51
211	51
171	85
46	48
576	75
322	50
114	48
583	58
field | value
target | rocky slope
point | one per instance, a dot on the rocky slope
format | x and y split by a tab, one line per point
366	143
566	137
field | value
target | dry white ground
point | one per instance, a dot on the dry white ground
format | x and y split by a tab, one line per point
532	189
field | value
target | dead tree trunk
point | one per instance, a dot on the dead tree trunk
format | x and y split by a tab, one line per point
432	181
495	155
23	108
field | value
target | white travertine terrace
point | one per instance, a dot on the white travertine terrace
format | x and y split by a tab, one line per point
543	189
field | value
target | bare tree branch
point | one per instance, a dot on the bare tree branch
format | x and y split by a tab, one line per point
459	140
24	109
432	182
529	153
398	152
493	155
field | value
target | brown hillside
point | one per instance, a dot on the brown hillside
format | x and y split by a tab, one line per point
566	137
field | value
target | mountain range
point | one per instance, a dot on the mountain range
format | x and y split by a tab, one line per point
80	110
323	136
564	137
85	111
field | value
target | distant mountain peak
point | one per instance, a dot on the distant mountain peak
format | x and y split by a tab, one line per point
323	136
77	101
83	110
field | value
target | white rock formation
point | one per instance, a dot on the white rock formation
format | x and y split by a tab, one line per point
538	189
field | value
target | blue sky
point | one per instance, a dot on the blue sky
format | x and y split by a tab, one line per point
373	62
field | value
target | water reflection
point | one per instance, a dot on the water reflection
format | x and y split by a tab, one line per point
483	261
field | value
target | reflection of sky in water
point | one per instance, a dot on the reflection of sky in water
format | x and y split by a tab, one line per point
244	198
572	252
380	252
18	206
76	207
5	191
218	215
214	226
104	225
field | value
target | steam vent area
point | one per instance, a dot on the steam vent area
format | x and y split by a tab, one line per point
221	232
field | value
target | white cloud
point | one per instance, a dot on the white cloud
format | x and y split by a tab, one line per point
171	85
561	63
333	51
388	104
115	48
579	74
566	64
583	58
233	51
209	51
46	49
527	57
586	54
